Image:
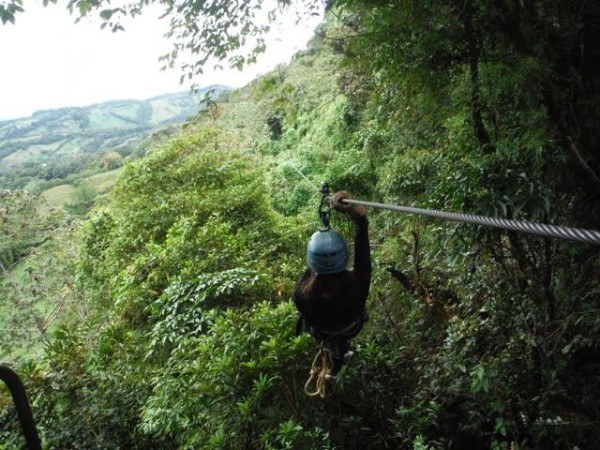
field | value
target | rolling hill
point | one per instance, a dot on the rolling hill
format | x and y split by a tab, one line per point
60	135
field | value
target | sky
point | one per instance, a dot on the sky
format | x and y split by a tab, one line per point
49	62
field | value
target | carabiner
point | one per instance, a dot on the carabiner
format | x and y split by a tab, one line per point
324	207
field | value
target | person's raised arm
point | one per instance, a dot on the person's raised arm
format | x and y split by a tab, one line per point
362	251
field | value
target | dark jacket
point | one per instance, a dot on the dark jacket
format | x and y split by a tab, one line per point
331	310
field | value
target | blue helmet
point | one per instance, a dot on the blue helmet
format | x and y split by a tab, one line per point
327	252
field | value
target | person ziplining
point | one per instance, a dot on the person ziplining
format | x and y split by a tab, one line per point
330	298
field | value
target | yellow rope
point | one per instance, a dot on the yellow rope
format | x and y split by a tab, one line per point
318	374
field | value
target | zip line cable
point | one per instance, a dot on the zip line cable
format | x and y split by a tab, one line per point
536	228
304	177
540	229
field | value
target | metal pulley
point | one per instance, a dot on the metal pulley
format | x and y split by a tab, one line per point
324	207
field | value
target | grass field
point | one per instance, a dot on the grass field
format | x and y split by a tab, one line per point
59	196
103	181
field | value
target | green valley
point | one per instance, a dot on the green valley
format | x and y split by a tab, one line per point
51	145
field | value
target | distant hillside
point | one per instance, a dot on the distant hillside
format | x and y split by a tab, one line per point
60	134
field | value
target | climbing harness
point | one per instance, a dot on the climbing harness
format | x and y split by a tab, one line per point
319	371
348	331
323	363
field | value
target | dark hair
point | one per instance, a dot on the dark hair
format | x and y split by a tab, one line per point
315	283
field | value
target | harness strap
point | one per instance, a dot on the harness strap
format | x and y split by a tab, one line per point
344	331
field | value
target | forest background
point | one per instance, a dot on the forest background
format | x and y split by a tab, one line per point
174	326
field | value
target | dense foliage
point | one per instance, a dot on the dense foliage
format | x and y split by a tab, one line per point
32	245
477	338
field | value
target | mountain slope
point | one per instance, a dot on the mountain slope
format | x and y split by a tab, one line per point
57	135
183	332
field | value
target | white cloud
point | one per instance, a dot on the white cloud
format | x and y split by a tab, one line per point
50	62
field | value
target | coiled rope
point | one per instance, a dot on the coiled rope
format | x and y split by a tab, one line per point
320	369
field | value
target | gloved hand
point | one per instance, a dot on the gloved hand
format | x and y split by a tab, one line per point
354	211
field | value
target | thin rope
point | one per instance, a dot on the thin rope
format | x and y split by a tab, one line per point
318	373
310	183
19	330
540	229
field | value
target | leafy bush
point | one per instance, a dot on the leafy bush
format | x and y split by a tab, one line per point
477	338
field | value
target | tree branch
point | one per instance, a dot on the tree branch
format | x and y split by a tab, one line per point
587	169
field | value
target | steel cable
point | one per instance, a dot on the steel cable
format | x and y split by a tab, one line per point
540	229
